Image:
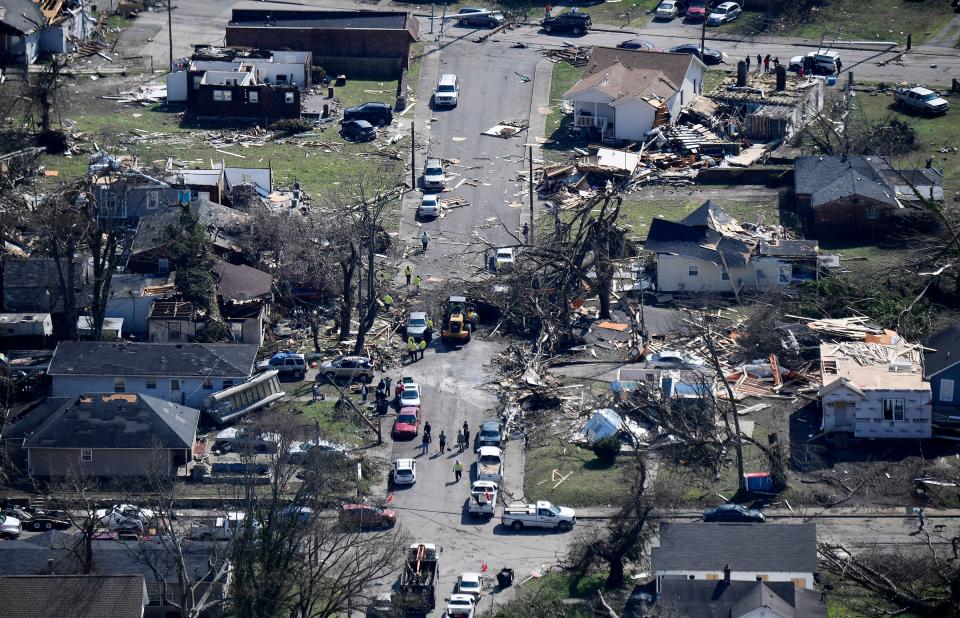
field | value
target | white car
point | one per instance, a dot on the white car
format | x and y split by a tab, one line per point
460	606
728	11
667	10
433	176
410	395
121	516
505	259
490	464
10	527
448	91
430	206
470	583
404	472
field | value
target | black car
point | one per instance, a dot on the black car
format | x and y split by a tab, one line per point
636	44
479	17
358	131
710	56
490	434
733	513
377	114
577	23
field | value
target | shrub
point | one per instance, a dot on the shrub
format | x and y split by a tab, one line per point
291	126
606	449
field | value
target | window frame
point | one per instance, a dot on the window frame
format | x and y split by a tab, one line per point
943	388
119	384
86	454
890	406
693	270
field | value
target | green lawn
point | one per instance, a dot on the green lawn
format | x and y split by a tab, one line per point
315	167
853	20
559	126
638	212
590	484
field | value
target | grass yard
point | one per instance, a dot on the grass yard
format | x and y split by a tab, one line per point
333	426
559	126
315	167
590	484
854	20
638	211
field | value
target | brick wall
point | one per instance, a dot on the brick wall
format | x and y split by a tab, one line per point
272	102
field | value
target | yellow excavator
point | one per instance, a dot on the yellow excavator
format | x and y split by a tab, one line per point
460	319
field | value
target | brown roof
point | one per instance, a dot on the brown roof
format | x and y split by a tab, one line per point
673	66
620	82
242	282
78	596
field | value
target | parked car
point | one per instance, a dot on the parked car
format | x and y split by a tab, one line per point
479	17
483	498
352	367
287	364
575	23
921	100
710	56
378	114
410	395
504	259
381	606
417	326
820	62
460	606
10	527
125	516
433	176
358	131
312	451
364	516
490	464
470	583
430	206
667	9
637	44
733	513
407	423
696	10
490	434
404	472
447	93
539	515
723	13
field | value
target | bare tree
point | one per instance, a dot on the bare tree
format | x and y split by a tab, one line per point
76	495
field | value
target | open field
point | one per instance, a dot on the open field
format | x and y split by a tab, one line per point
590	483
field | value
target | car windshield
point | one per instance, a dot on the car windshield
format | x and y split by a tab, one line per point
489	433
434	171
554	509
720	10
409	419
489	460
446	88
930	97
409	394
418	322
468	585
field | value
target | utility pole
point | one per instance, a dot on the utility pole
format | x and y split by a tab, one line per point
530	236
170	31
703	30
413	157
443	19
432	9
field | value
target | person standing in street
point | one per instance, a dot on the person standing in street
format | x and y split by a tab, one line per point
425	443
466	434
388	380
921	519
423	347
460	440
416	283
442	441
408	272
748	63
364	391
759	63
411	349
425	239
457	471
427	429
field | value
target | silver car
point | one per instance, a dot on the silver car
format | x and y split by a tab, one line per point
417	326
433	176
350	367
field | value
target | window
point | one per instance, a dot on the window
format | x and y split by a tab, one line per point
253	97
86	454
693	271
119	385
208	384
174	384
288	97
946	390
893	409
873	213
151	384
222	95
725	276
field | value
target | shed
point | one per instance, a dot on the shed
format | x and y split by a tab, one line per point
603	424
25	325
112	329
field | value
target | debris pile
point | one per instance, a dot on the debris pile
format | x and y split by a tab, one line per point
576	55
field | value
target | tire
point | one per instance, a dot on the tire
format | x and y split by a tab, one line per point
298	375
35	526
576	30
548	29
462	22
380	122
48	526
517	525
564	526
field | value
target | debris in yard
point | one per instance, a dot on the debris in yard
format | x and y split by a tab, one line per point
576	55
506	128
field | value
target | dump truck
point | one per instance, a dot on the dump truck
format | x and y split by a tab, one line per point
417	590
460	319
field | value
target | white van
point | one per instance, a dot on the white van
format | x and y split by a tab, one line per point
448	90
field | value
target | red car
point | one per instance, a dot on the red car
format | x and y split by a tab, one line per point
407	424
363	516
697	11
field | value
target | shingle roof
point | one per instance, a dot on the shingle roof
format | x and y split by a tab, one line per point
826	179
77	596
673	66
718	599
700	235
228	360
242	282
621	83
13	16
745	547
117	421
365	20
946	344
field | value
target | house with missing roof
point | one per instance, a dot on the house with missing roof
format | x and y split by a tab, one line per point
33	29
111	435
625	93
874	390
837	194
717	552
182	373
708	251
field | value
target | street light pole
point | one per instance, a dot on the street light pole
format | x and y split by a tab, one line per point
170	31
413	157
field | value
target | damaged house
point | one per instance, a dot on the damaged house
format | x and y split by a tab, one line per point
626	93
710	251
875	390
33	29
837	194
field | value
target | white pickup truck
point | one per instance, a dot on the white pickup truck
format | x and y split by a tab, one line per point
539	515
483	498
220	528
921	100
490	464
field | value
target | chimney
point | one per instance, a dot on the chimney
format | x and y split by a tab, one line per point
741	74
781	78
50	566
726	573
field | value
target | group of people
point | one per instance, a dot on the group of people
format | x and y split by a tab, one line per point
463	440
417	281
763	63
413	347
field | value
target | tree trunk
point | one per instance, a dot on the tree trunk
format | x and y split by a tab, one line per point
615	579
370	305
346	309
